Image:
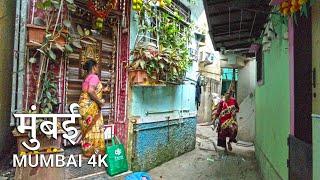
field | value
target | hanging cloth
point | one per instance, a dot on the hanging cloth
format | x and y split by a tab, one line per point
198	92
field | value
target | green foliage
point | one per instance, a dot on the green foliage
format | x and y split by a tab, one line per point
55	31
48	101
170	59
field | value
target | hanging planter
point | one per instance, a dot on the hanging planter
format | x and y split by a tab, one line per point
100	9
138	76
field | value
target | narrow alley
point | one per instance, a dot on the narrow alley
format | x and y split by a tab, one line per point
205	163
160	89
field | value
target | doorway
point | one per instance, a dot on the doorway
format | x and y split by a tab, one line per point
104	48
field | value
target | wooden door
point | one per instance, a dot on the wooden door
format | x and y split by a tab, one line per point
105	50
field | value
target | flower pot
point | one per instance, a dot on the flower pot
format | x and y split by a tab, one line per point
138	77
45	142
36	34
141	77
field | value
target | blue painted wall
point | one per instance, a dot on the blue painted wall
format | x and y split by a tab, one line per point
157	140
161	99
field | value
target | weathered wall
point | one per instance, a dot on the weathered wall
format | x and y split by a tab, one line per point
212	88
153	106
245	97
7	19
157	108
159	142
247	80
273	110
246	119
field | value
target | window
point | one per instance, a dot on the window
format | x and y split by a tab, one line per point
260	67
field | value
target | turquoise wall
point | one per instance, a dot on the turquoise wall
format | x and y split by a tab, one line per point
273	109
161	99
171	97
156	139
159	142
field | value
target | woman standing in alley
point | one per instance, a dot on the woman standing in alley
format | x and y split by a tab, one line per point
91	101
228	126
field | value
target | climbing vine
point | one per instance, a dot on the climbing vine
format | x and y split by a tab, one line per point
169	33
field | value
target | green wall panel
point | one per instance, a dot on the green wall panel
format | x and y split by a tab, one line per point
273	109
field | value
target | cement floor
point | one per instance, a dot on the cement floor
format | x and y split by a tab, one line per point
204	163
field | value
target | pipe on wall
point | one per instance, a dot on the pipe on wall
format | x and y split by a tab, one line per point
15	61
155	127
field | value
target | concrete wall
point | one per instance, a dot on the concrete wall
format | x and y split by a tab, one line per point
211	72
7	20
153	139
247	80
273	110
159	142
246	119
245	96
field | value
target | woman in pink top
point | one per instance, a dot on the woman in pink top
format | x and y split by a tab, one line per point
91	101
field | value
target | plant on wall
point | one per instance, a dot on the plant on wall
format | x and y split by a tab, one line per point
175	39
167	31
50	32
48	99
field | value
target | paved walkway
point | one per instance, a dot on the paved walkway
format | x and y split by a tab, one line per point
204	163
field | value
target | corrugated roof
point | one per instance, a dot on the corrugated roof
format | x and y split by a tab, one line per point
235	24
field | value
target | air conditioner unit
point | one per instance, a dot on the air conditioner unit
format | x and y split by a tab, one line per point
206	57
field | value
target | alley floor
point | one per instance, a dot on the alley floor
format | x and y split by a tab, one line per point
203	163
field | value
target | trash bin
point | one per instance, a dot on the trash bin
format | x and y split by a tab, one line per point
316	146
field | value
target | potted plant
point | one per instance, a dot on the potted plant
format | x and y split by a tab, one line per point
49	21
48	104
172	35
49	30
142	69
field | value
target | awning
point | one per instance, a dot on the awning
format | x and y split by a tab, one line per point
235	24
